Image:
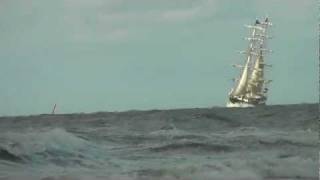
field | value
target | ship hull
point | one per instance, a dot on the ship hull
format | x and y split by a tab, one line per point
239	104
243	104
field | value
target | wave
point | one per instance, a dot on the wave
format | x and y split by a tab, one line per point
196	147
53	145
175	133
217	143
6	155
266	166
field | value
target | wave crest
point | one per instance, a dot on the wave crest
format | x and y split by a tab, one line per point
51	142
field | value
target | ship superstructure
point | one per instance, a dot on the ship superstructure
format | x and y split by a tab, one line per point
250	87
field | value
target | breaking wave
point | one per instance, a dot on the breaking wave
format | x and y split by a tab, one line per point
56	146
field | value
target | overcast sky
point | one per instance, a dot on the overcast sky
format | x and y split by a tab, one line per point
115	55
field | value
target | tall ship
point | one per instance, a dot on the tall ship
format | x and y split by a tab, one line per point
251	87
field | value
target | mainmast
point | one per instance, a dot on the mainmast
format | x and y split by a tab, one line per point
250	86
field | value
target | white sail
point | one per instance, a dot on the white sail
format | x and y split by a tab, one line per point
241	86
256	81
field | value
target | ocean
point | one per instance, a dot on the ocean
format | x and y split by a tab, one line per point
269	142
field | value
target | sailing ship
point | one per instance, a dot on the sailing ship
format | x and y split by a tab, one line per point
250	87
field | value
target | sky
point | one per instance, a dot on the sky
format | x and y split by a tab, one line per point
117	55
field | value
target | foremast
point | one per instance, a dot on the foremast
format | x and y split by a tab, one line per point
250	87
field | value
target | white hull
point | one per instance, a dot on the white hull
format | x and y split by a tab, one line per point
242	105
